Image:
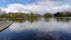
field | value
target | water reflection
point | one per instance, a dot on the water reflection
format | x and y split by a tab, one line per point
47	19
31	20
65	19
42	29
41	25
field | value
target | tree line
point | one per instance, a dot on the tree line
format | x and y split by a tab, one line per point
31	15
24	15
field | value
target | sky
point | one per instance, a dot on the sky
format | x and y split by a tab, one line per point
35	6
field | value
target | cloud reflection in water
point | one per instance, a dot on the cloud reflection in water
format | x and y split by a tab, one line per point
42	25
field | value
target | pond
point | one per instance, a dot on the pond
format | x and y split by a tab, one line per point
40	29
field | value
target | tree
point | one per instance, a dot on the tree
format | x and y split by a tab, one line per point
47	15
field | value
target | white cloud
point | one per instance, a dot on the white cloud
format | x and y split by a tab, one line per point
40	6
20	8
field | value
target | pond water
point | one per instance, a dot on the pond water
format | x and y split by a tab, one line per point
41	29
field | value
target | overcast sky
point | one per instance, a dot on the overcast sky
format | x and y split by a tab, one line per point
36	6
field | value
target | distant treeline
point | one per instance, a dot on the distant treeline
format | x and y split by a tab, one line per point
24	15
33	15
62	14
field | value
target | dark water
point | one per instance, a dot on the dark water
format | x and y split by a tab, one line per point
41	29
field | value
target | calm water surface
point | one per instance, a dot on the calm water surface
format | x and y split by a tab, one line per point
41	29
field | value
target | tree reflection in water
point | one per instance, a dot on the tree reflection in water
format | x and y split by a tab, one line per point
63	19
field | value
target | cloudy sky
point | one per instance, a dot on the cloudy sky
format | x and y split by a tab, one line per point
36	6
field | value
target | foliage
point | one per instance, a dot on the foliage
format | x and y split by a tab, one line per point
47	15
63	14
30	16
20	16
